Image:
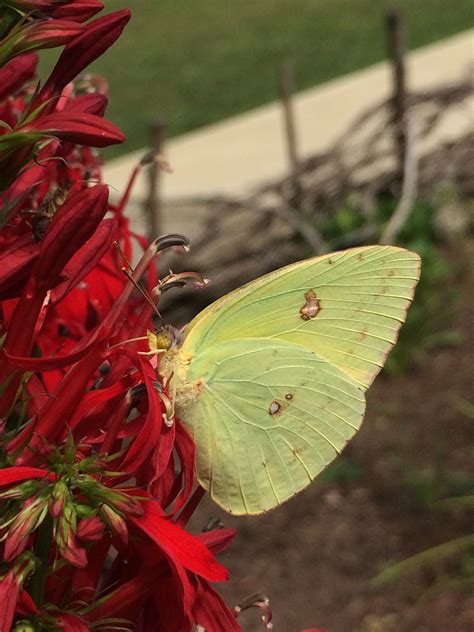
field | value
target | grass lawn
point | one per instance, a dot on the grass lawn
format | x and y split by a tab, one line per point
196	62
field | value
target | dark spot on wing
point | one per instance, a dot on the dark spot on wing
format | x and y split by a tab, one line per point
289	396
363	334
330	261
391	273
274	408
360	256
312	306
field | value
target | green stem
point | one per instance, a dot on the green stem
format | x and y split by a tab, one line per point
42	551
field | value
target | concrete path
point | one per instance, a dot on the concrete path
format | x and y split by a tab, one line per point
245	151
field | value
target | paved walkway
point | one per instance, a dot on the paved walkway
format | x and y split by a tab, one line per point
241	153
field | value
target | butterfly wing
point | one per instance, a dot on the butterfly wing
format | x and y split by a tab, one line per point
266	416
360	301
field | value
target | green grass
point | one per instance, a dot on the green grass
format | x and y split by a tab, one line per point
198	62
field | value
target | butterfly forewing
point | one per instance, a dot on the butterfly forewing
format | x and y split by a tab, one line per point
346	307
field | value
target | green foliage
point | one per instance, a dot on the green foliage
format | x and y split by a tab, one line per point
428	324
435	557
439	491
341	470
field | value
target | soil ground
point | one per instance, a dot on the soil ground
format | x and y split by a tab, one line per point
314	556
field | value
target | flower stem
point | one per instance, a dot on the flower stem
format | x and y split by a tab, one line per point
42	551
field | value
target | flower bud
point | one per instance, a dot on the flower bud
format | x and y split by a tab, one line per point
115	521
59	496
25	523
90	529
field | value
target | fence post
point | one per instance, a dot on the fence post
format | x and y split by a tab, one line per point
153	201
396	44
287	89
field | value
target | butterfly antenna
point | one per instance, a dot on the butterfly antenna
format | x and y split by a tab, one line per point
128	271
122	255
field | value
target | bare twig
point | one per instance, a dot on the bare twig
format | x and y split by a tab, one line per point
410	177
396	36
306	229
287	88
153	202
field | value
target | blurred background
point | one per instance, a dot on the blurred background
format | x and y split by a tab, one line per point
296	127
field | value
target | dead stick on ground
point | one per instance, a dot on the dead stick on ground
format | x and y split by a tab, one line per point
153	201
410	177
396	40
287	89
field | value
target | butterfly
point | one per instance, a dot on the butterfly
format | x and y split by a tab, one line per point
270	379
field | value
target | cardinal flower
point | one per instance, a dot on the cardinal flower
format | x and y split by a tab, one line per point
37	34
10	589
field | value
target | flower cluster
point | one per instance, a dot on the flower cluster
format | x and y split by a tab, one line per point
96	475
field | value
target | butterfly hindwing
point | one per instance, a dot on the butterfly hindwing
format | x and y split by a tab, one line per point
267	418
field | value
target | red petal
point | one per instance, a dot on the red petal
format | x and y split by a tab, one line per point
85	259
147	439
84	582
71	623
53	417
16	261
9	475
16	72
211	612
71	227
126	600
87	103
9	590
79	11
77	127
185	448
179	544
98	37
26	606
218	540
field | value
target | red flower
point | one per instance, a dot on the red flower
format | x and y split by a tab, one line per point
87	408
74	127
38	34
15	265
15	73
95	40
77	10
9	475
211	612
178	544
72	226
90	529
10	587
25	523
